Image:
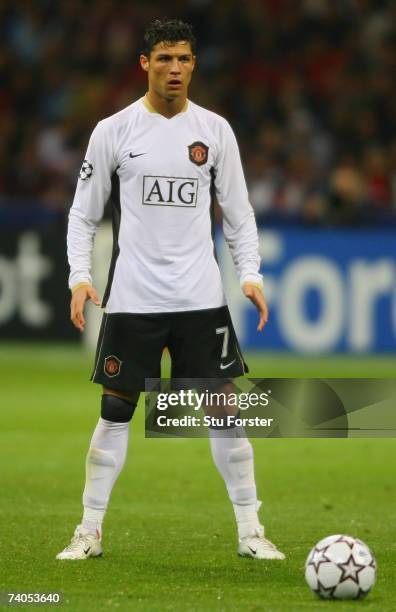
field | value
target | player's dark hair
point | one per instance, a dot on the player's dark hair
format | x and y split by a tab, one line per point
167	30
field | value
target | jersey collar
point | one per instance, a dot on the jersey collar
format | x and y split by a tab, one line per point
151	108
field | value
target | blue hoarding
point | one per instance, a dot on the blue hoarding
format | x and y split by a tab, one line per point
327	290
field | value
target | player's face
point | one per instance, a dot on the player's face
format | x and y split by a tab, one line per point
169	69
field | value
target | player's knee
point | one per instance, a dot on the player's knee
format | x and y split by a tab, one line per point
116	409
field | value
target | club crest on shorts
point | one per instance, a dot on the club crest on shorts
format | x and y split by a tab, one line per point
112	366
198	153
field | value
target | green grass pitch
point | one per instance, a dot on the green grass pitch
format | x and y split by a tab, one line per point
169	536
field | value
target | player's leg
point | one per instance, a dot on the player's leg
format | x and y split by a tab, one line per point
233	456
129	350
204	346
106	456
104	462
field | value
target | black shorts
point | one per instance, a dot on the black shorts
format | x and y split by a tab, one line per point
201	343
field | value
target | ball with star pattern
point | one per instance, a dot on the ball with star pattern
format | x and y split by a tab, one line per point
340	567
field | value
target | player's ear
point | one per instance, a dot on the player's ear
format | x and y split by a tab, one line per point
194	57
144	62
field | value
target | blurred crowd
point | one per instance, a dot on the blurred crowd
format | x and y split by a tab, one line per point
308	85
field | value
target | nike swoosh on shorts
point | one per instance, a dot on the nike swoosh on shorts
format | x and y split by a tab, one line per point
226	365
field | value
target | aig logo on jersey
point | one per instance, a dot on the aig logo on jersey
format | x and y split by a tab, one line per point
170	191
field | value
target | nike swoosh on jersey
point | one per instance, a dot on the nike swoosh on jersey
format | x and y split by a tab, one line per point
137	155
226	365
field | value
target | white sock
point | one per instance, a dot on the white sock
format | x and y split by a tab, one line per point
233	456
105	459
248	522
92	521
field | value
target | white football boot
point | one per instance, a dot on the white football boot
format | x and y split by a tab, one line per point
82	546
255	545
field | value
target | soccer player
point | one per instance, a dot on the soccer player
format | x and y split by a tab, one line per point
160	161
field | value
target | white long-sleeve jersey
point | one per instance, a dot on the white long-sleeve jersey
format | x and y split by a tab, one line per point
161	176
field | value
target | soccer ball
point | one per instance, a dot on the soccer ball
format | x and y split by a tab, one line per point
340	567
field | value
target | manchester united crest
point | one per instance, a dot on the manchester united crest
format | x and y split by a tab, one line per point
112	366
198	153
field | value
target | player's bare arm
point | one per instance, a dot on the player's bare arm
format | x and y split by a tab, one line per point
80	295
255	294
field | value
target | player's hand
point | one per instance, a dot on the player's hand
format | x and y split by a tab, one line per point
77	305
256	296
